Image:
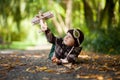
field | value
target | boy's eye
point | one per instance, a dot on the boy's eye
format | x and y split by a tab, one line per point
69	36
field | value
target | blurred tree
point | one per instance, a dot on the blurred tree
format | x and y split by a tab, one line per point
98	19
103	22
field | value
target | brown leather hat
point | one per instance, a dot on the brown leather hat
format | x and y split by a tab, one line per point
77	35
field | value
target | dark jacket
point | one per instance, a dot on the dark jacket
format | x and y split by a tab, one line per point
61	50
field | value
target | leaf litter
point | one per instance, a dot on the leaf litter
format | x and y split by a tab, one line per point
89	66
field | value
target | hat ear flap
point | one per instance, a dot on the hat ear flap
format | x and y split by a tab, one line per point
81	38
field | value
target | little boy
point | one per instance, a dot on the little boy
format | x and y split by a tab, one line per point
68	48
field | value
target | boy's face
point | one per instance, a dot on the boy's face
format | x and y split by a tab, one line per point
68	40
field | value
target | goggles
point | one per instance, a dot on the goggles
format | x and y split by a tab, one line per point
76	34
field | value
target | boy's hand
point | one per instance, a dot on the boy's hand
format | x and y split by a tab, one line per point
43	25
55	60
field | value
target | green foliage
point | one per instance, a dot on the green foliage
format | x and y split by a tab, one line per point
21	45
104	41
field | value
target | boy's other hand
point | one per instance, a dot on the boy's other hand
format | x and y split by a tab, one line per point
55	60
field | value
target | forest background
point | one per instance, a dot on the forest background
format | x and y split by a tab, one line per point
98	19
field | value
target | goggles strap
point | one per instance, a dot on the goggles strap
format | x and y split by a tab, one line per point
78	41
70	51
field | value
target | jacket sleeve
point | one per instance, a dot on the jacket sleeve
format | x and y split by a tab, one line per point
73	56
50	37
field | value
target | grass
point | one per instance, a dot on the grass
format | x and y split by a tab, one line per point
25	44
17	45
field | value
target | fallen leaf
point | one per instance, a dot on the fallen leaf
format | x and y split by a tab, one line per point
50	71
31	70
41	68
69	65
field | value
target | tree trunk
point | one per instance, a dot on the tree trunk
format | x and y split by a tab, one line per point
68	14
119	14
88	15
111	16
61	24
109	12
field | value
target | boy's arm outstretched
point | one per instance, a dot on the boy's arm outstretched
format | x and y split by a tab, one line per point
44	28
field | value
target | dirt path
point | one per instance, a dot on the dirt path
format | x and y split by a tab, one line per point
34	65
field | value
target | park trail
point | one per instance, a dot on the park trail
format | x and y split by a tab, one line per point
35	65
